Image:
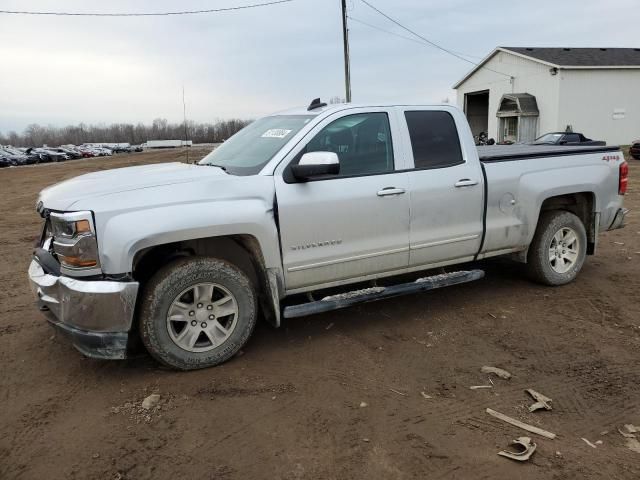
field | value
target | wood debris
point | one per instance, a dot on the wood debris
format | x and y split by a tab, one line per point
399	393
519	424
496	371
541	400
524	449
626	434
633	444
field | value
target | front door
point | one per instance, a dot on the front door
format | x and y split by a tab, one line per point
509	129
352	225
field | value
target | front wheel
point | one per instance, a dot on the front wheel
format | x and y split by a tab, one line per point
197	313
558	249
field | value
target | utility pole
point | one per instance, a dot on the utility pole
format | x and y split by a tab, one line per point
345	39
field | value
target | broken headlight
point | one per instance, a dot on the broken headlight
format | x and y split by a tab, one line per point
74	241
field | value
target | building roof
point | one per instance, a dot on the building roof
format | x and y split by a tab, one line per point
582	57
568	58
520	104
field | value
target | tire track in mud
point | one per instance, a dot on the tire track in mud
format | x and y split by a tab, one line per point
570	383
35	418
591	381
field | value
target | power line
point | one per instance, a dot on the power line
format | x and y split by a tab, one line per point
148	14
433	44
415	40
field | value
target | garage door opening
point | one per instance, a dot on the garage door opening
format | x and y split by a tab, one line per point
476	108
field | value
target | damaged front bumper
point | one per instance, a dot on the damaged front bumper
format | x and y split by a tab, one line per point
96	315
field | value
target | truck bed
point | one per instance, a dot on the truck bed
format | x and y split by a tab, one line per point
504	153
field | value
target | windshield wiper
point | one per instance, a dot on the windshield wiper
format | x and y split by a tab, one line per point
221	167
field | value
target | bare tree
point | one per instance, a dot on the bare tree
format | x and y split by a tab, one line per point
160	129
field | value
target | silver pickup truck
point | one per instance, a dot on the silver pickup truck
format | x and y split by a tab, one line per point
325	201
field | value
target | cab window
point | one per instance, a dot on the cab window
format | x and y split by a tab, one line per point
362	143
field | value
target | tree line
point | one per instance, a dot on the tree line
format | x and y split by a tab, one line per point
35	135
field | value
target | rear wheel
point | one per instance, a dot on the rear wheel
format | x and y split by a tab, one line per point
558	249
197	313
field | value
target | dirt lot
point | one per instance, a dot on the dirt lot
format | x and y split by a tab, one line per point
290	407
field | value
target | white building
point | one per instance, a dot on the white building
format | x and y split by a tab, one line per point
521	93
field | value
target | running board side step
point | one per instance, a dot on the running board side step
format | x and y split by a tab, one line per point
372	294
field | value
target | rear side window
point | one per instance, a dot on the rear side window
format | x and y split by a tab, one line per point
434	139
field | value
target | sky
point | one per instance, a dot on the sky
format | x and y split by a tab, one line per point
244	64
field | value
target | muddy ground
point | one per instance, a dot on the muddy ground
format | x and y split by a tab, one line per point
290	406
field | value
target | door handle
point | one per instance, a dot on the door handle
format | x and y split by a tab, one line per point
465	182
390	191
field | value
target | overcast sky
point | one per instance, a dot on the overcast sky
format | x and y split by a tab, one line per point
66	70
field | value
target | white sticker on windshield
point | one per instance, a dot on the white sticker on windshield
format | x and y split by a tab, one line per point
276	133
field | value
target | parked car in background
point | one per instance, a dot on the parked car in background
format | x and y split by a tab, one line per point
31	157
30	152
86	152
71	153
5	161
634	151
16	157
119	147
48	155
103	151
98	150
566	138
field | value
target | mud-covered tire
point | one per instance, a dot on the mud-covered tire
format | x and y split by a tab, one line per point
160	294
541	265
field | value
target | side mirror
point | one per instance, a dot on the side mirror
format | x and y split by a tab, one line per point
315	164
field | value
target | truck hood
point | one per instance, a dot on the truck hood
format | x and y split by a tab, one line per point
63	195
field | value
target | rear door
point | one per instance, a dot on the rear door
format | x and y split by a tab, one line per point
446	186
353	225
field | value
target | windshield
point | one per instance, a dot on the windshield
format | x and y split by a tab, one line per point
246	152
549	138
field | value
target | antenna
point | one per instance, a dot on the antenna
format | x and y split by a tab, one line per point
184	112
